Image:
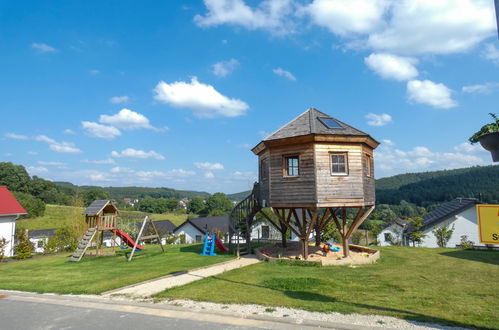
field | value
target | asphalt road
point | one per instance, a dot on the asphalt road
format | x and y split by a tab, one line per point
19	310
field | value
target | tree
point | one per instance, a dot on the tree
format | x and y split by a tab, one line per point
195	205
147	204
64	239
90	195
443	235
34	206
416	236
15	177
23	248
3	245
218	204
171	203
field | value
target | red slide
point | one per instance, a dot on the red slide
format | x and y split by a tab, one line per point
127	239
221	245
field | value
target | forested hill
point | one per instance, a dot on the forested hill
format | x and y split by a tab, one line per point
429	188
136	192
436	187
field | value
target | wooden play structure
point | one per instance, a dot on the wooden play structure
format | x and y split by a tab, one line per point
101	216
313	170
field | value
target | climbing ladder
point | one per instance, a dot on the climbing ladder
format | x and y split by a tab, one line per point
242	217
83	245
209	245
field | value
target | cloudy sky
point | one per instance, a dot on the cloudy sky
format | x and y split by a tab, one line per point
175	93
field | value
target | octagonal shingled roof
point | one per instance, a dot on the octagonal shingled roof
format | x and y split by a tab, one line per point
314	121
9	204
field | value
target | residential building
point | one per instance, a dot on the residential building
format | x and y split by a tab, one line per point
10	210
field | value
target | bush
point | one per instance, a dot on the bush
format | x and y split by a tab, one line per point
466	243
64	239
3	245
356	237
171	239
24	248
443	235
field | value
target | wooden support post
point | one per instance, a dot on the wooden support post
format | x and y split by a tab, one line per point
346	247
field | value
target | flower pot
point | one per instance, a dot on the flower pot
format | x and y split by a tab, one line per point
490	142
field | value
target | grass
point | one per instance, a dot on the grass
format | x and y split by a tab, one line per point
93	275
57	216
446	286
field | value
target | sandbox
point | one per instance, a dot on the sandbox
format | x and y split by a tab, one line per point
358	254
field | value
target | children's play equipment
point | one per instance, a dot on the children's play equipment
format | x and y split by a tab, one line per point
210	241
152	236
313	170
328	247
101	216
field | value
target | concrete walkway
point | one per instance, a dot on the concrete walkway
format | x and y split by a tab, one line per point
148	288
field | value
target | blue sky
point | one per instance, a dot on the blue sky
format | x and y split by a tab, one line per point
175	93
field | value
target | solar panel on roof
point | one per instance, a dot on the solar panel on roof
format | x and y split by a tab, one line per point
330	122
95	207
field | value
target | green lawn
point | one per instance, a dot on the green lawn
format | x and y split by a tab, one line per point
447	286
57	216
95	275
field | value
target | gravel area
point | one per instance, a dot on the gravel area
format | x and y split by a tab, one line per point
299	315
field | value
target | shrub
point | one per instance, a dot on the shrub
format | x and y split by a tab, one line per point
64	239
356	237
181	238
466	243
171	239
24	248
443	235
3	245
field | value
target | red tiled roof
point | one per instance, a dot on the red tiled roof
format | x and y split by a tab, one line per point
8	203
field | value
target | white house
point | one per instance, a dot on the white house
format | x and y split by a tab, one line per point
393	233
39	238
196	229
10	210
459	214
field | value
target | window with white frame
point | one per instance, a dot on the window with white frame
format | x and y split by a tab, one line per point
339	163
292	166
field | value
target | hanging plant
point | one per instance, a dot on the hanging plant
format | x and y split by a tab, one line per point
486	129
488	136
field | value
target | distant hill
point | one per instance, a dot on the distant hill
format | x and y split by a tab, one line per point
136	192
239	196
429	188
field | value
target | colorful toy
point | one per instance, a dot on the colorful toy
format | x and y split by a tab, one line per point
209	245
328	247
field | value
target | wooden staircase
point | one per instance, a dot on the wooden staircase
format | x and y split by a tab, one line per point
83	245
242	215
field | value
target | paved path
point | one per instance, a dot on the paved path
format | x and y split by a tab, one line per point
148	288
22	310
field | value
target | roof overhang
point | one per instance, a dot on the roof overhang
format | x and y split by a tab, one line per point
316	138
11	214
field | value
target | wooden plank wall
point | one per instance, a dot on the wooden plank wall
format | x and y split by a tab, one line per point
337	190
292	191
264	181
369	184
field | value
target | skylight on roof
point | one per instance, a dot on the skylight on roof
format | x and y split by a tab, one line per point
330	122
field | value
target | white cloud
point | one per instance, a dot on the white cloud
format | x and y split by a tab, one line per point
179	172
486	88
435	27
43	48
134	153
224	68
428	92
269	15
378	120
32	153
107	161
119	99
345	17
99	177
209	166
388	142
94	72
283	73
491	52
15	136
390	160
392	67
245	176
64	147
69	131
55	164
100	131
204	100
37	170
127	120
209	175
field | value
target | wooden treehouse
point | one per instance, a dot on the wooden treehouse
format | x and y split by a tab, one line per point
100	216
313	170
